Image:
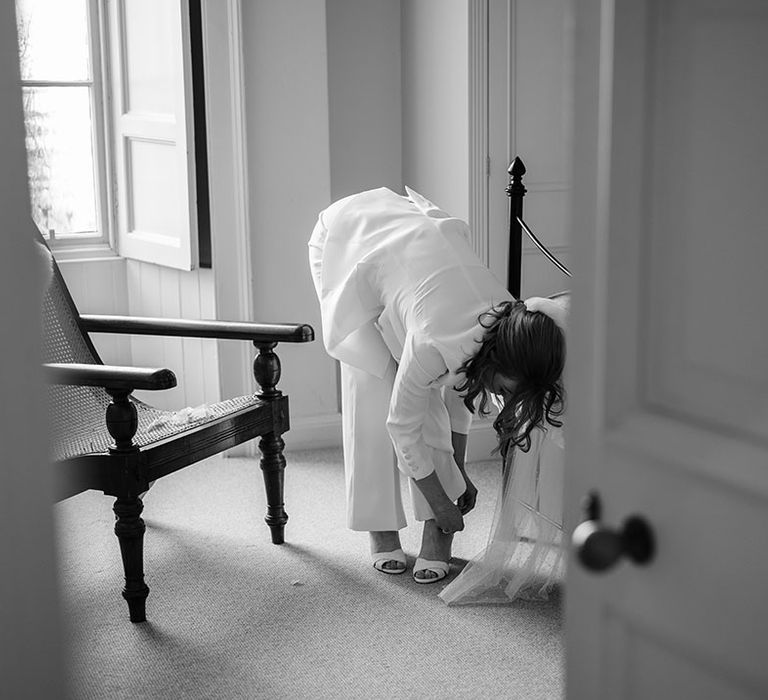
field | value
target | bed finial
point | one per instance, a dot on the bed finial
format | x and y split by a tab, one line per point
515	191
516	171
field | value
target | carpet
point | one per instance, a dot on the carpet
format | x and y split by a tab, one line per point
231	615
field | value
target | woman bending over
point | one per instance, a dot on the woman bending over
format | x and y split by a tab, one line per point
425	334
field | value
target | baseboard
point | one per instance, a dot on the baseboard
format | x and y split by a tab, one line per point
314	432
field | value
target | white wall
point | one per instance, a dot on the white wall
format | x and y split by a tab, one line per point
435	101
163	292
364	89
100	287
32	660
288	161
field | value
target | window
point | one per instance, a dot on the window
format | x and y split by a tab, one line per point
111	153
60	61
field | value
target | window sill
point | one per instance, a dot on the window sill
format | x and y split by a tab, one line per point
85	253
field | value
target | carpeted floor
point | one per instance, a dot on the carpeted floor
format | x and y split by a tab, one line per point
232	616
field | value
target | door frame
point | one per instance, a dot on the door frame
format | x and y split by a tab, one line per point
228	186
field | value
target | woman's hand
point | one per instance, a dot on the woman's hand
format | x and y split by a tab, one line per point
468	499
448	518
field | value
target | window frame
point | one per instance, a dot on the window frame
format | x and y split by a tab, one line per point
113	194
102	244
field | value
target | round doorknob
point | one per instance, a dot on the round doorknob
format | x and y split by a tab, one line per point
598	548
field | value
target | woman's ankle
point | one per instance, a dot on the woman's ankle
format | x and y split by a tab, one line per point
384	540
435	544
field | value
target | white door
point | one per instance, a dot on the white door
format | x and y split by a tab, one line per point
668	379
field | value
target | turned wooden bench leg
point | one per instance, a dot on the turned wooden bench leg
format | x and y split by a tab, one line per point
129	528
122	422
273	469
266	370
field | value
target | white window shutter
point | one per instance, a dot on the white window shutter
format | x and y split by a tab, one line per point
153	130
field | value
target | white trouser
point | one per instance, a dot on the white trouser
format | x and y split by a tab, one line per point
374	501
372	476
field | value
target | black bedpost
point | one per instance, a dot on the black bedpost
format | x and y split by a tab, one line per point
515	191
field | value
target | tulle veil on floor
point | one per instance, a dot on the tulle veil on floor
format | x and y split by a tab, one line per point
524	557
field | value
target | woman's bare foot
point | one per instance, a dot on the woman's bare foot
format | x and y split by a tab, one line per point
387	541
435	546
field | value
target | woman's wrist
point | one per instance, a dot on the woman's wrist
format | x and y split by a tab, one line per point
459	443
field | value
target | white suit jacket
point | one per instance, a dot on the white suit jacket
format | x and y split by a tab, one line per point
399	279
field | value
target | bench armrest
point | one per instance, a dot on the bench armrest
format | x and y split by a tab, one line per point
109	376
223	330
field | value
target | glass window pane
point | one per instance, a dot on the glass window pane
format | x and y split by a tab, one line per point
53	39
60	159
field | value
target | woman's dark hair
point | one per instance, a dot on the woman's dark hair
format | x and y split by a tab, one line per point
528	348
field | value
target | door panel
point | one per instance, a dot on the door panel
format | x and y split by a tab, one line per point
662	672
706	221
667	378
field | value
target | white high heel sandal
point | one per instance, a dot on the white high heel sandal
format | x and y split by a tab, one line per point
440	568
381	558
